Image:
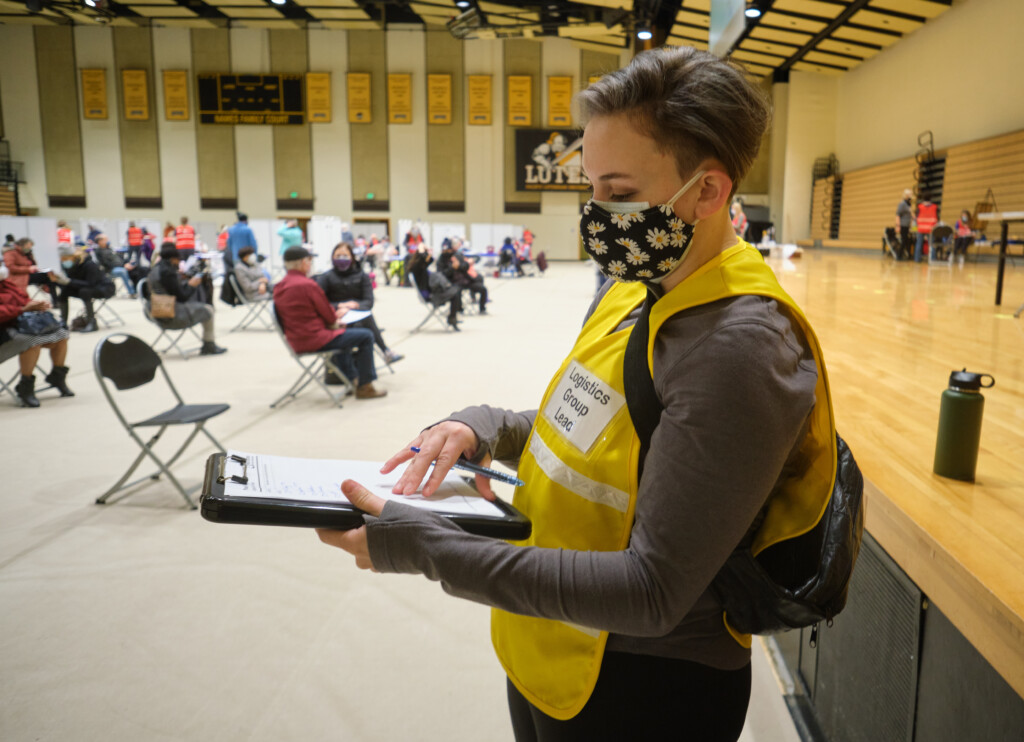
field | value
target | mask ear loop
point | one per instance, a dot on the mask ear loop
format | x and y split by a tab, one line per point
685	188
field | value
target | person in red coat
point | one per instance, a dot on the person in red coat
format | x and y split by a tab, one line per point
13	303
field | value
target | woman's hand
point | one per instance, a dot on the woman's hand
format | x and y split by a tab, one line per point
341	311
36	306
354	541
441	445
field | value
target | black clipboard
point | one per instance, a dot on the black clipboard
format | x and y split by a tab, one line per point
217	507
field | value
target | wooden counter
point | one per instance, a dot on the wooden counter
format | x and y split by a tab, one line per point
892	333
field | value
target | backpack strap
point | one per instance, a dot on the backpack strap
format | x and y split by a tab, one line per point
641	398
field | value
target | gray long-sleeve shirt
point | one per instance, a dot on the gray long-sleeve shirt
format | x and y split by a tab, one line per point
906	216
737	382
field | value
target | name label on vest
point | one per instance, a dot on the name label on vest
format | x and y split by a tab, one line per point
581	406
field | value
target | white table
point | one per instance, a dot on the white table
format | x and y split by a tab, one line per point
1005	217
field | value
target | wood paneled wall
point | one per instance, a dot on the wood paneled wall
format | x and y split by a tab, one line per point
368	52
215	145
293	154
870	197
446	143
971	169
59	115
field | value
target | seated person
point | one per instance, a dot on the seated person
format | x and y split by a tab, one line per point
394	264
189	309
84	279
964	234
250	276
13	302
347	287
460	270
111	263
21	263
509	257
434	287
311	324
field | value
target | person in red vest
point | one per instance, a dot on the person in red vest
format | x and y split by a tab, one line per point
64	234
134	236
185	239
927	218
222	237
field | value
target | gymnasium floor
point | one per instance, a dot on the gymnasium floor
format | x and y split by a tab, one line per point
141	621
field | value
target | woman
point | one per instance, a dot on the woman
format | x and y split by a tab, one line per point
739	219
607	627
348	289
434	287
83	279
964	234
13	303
460	270
251	278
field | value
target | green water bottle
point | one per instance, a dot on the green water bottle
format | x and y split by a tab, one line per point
956	449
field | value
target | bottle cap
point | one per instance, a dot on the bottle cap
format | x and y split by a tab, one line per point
966	381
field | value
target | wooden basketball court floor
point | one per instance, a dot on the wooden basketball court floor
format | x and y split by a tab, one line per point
892	333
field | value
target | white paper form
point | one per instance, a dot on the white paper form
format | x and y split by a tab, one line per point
354	315
319	480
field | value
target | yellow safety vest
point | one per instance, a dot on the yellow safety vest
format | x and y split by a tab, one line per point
580	471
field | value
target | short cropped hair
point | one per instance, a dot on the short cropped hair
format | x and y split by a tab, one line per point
245	252
691	103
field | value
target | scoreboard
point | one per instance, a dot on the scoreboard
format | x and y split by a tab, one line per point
251	99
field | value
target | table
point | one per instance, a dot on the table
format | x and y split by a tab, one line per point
1005	217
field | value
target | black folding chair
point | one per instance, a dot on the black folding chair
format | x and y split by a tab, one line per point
107	314
313	366
127	362
255	310
432	311
174	335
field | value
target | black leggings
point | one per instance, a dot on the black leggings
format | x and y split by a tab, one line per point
639	697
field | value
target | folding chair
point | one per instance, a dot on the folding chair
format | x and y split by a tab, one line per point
143	293
129	364
107	314
256	310
8	386
313	365
432	310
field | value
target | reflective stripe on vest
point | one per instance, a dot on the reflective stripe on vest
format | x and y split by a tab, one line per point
555	664
63	236
927	217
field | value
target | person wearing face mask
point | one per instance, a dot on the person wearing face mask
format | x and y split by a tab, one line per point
83	279
311	324
189	309
251	278
349	288
13	303
605	620
905	217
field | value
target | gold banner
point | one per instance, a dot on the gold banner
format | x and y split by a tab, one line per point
593	79
520	103
559	101
135	92
400	99
176	95
439	99
479	100
359	97
94	94
318	97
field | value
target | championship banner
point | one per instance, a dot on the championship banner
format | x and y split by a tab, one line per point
520	103
359	97
176	95
559	101
400	99
550	160
318	97
479	87
94	94
593	78
439	99
135	93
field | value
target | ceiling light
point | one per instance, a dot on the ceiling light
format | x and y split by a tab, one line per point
462	3
752	12
278	2
644	33
91	3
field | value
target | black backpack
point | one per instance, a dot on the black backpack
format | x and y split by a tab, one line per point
794	583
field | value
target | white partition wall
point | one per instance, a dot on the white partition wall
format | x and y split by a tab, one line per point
442	231
41	230
322	234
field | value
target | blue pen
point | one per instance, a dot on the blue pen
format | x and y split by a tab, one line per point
477	469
